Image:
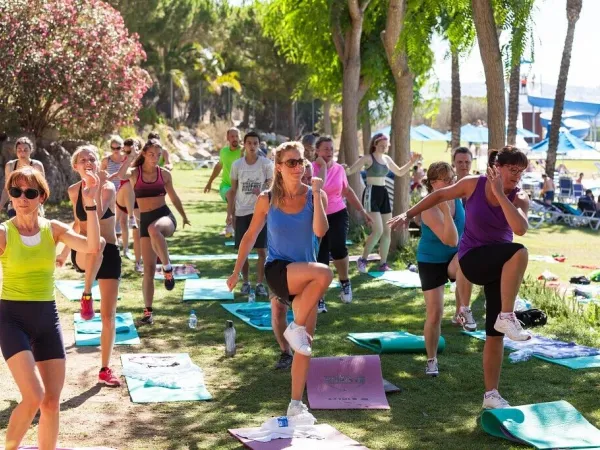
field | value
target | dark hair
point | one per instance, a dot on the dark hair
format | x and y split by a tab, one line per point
374	140
436	171
323	139
250	134
508	155
24	141
309	139
128	142
588	191
462	150
581	174
153	135
141	157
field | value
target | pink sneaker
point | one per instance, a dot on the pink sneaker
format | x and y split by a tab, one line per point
107	377
384	268
87	307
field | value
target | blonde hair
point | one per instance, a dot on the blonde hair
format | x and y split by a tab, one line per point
117	140
437	171
277	189
83	148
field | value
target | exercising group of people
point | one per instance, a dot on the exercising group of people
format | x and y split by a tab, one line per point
293	211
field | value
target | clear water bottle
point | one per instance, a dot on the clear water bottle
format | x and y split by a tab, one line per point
229	339
251	296
193	321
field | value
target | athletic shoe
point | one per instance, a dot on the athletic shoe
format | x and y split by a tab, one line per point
285	361
346	292
261	290
246	288
384	268
296	410
132	223
321	307
229	231
511	328
493	400
298	338
465	318
455	320
139	267
361	263
87	307
169	279
146	318
107	377
432	368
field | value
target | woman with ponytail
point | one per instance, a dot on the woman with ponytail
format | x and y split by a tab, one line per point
375	198
296	219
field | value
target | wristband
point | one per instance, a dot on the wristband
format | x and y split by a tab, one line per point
91	208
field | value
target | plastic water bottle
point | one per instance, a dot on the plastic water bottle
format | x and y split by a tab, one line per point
251	296
229	339
193	321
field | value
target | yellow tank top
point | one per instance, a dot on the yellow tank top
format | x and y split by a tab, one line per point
28	272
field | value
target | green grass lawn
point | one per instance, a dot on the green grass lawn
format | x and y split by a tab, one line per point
429	413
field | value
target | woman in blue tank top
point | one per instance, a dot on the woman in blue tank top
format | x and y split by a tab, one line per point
496	209
296	219
441	229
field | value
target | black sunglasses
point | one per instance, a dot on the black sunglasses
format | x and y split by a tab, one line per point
115	148
30	193
291	163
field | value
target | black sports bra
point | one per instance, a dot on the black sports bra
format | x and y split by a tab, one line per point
80	210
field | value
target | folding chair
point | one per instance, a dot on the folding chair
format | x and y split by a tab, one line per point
565	188
577	190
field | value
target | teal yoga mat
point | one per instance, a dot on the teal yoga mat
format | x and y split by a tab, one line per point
87	332
72	289
401	278
142	391
221	257
206	289
257	315
542	425
393	342
180	272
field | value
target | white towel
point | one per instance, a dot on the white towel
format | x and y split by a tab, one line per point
285	428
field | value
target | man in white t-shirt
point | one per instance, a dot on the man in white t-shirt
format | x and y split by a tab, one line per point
250	175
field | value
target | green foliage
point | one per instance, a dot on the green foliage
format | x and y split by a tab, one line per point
514	16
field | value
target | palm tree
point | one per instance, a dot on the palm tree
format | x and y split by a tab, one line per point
573	11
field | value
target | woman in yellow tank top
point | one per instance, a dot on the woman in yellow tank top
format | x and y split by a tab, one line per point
30	333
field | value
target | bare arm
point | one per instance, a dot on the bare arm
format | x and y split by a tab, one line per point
442	224
358	165
259	218
215	173
355	202
320	223
4	197
167	158
173	196
125	170
231	199
516	212
322	170
400	171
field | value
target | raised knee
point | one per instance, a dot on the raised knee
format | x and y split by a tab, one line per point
522	255
325	275
153	230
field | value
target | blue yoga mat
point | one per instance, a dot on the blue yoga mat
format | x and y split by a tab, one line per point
543	425
142	391
72	289
401	278
87	332
257	315
221	257
206	289
179	273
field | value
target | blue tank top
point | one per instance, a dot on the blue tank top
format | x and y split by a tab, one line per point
431	249
290	237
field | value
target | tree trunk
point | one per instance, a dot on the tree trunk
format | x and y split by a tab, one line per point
489	47
366	128
327	117
455	112
573	11
514	84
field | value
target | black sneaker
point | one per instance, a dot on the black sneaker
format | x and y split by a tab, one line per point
146	318
285	361
169	279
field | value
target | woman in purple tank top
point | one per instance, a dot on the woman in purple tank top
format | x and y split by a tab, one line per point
495	210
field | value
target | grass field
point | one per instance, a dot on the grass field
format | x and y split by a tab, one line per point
430	413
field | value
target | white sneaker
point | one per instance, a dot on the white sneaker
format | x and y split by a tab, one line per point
321	307
346	292
465	318
299	414
245	288
297	409
455	320
132	223
512	328
432	368
229	231
493	400
361	264
298	338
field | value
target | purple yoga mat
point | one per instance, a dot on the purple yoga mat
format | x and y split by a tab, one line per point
346	382
334	440
33	447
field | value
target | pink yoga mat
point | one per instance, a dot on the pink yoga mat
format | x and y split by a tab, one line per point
346	382
32	447
334	441
371	257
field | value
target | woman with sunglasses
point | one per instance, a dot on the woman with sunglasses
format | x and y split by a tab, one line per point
104	266
495	210
151	184
30	332
441	229
375	199
23	149
295	218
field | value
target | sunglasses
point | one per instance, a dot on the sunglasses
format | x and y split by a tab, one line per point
115	148
292	163
30	193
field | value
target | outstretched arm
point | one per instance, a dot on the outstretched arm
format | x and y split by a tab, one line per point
358	165
400	171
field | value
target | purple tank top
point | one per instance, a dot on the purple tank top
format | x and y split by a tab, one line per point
485	224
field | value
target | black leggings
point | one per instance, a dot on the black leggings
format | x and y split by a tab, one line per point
483	266
334	241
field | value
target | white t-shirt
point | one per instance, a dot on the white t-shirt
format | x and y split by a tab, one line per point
251	180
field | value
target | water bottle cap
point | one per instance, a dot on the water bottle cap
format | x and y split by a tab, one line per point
230	324
193	312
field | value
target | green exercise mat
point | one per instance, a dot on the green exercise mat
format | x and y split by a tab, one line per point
87	332
542	425
401	278
393	342
206	289
221	257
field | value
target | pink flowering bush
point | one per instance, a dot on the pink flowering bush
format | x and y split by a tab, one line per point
70	65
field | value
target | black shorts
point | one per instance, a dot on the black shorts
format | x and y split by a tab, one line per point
433	275
110	269
242	223
483	266
31	326
147	218
376	199
276	276
124	209
334	241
